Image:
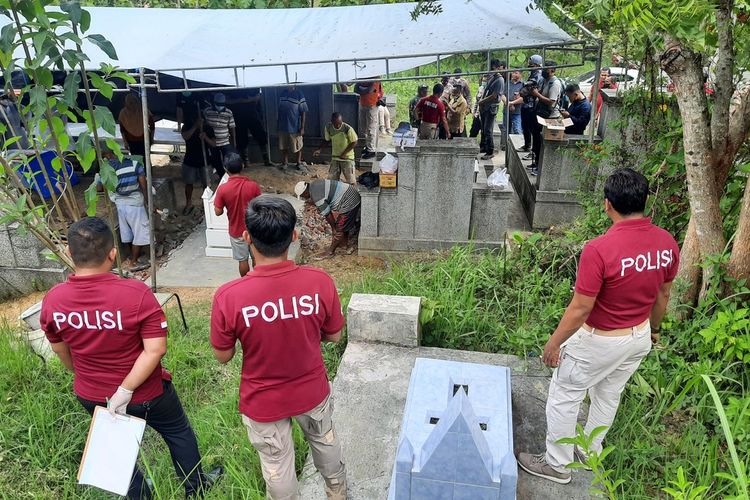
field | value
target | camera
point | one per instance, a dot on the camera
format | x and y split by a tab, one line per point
528	87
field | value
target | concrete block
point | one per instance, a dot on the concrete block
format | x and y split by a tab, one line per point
555	207
27	250
472	492
7	258
15	282
445	174
218	252
218	238
384	318
369	211
390	247
430	489
489	212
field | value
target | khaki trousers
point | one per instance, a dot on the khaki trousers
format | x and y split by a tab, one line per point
600	366
341	167
428	130
275	446
368	126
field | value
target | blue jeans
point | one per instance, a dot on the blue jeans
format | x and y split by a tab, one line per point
515	123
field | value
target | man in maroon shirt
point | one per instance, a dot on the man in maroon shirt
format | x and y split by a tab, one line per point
112	333
234	196
431	112
280	313
621	294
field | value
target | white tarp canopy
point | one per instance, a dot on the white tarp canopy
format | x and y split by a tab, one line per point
224	39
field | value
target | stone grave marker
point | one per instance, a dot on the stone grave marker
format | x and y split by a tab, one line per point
457	434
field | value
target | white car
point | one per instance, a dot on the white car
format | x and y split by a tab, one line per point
622	76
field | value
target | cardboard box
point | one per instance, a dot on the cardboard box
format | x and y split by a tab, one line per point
554	128
388	181
405	139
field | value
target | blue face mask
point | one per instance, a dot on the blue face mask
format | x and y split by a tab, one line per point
187	94
220	107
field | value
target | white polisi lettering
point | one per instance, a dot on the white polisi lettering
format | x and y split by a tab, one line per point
89	320
266	317
650	261
282	309
249	312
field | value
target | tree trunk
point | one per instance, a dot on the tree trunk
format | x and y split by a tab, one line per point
686	70
739	262
688	275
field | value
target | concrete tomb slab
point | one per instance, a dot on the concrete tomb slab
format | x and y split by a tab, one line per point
457	434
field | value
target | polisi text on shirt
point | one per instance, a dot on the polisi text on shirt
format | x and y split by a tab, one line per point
647	261
90	320
270	311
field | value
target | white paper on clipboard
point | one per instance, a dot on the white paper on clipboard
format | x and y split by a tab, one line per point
111	451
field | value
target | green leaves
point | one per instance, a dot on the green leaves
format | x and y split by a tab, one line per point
104	44
70	88
91	196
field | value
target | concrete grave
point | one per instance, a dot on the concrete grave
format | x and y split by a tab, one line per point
370	393
457	434
436	205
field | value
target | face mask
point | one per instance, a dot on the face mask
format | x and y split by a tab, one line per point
220	107
187	94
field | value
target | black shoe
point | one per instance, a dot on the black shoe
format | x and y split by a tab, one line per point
525	149
367	155
211	478
535	171
488	156
531	166
528	157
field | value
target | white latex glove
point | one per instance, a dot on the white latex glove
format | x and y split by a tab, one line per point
119	401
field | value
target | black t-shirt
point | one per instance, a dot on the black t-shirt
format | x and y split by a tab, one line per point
193	145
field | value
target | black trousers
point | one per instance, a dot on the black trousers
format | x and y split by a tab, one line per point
476	127
166	416
216	159
255	128
528	124
487	142
536	146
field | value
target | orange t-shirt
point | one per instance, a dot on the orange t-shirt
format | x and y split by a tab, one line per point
369	99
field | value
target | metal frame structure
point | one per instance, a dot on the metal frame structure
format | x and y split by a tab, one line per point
149	79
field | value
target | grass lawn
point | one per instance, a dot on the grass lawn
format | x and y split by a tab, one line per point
510	303
43	428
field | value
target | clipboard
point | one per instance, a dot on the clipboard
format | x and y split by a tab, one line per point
102	466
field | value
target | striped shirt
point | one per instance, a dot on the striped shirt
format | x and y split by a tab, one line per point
128	191
291	106
334	196
220	122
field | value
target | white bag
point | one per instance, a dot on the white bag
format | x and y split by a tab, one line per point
499	179
389	164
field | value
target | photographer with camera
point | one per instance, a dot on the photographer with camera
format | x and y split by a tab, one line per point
547	106
528	113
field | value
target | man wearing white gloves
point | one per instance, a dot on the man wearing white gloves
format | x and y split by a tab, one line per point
112	333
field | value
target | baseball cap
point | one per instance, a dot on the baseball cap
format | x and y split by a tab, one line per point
300	188
423	87
220	98
535	59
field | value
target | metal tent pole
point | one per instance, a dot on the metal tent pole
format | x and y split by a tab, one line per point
263	107
149	177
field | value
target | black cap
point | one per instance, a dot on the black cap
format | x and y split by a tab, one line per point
423	87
